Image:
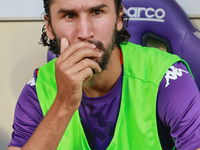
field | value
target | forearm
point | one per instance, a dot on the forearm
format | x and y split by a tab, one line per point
51	129
72	68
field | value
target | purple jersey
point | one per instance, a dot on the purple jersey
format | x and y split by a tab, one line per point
177	110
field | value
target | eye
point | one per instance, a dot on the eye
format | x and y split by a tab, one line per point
96	12
70	15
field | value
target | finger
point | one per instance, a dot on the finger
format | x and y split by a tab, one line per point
83	70
78	56
87	77
78	77
84	75
85	63
64	45
73	48
82	54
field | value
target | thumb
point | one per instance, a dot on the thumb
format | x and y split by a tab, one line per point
64	45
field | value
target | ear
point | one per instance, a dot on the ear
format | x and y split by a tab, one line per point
49	30
119	20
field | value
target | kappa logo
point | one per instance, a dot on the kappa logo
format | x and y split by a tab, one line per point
31	82
174	74
145	14
197	34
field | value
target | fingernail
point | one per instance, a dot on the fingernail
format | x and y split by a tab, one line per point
97	71
93	46
99	53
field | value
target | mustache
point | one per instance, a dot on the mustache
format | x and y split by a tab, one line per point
98	44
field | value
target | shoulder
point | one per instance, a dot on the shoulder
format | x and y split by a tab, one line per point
146	63
150	52
28	114
178	104
29	88
177	87
28	100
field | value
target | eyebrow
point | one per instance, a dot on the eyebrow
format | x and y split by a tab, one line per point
63	10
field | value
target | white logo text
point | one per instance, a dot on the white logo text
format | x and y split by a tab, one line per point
145	14
31	82
197	34
173	75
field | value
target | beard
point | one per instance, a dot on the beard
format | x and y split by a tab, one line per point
106	49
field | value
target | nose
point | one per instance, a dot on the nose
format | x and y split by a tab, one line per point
85	28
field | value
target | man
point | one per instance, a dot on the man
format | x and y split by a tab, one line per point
101	94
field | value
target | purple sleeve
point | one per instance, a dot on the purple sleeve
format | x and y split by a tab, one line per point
178	107
28	114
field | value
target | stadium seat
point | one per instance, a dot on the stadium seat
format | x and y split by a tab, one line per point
164	22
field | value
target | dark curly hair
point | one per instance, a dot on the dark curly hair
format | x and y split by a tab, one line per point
122	36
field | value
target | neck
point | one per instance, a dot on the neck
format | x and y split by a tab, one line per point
101	84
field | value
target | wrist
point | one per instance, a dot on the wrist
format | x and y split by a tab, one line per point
64	109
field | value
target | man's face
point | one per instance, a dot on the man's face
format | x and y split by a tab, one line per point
94	21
